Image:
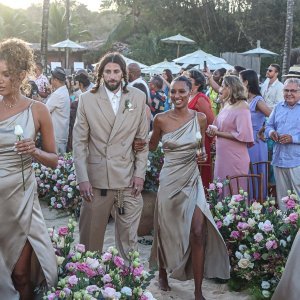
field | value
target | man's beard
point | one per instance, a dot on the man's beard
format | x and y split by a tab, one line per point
112	86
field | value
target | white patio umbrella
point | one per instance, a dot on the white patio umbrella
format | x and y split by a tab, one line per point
159	67
68	44
130	61
215	66
179	40
198	57
259	52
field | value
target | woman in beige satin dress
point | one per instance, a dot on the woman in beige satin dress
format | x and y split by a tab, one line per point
27	258
288	287
187	242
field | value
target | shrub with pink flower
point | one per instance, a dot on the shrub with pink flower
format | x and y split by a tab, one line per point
58	186
258	237
90	275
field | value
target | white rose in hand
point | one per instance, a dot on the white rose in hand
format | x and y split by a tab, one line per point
18	130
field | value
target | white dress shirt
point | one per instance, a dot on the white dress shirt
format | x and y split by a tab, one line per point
114	99
59	106
273	93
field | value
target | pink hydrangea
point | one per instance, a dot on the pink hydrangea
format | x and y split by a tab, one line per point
106	278
138	271
242	225
109	292
211	186
290	204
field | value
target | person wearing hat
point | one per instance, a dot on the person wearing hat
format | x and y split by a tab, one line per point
294	72
59	106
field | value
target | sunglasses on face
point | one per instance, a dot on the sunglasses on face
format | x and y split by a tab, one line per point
270	70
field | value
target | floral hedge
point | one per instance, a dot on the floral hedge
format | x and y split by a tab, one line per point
90	275
258	237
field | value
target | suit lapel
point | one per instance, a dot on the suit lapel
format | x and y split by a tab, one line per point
121	114
105	106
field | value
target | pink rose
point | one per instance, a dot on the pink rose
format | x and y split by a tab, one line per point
51	296
258	237
290	204
256	256
80	248
119	261
219	185
271	245
235	234
106	256
63	230
73	280
293	217
242	225
285	199
71	266
138	271
106	278
211	186
219	224
238	198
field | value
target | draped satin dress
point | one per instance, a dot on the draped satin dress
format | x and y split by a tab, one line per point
21	217
180	192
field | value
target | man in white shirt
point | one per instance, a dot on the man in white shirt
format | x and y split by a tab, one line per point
272	88
59	106
134	77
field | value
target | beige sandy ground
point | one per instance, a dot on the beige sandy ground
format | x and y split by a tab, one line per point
180	290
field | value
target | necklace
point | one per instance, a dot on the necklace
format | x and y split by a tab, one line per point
10	106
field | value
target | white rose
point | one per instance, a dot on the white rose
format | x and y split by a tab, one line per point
265	285
247	256
266	293
282	243
127	291
251	222
242	247
92	263
244	263
60	260
18	130
219	206
238	255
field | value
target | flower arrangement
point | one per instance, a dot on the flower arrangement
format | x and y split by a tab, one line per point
58	186
154	165
258	237
90	275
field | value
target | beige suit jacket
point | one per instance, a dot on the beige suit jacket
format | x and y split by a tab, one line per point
102	142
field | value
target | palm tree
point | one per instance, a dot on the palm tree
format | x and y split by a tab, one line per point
44	36
288	36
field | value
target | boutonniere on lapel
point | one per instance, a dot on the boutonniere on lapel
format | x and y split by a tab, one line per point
128	105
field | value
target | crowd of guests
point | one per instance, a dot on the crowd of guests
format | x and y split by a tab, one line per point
236	106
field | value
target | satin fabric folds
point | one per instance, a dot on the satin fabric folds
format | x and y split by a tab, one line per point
180	192
21	217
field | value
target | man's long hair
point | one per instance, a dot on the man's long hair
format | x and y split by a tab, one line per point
113	57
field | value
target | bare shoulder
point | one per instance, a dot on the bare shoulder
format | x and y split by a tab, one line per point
201	117
242	105
39	108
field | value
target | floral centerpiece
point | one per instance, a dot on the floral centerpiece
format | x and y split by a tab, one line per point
154	165
258	237
58	186
90	275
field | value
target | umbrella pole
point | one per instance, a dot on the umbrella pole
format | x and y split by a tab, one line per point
177	50
67	58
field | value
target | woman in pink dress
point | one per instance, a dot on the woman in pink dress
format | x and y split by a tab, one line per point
233	129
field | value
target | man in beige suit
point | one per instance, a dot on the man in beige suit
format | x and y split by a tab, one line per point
109	173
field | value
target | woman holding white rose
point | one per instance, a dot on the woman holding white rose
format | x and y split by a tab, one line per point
187	242
27	257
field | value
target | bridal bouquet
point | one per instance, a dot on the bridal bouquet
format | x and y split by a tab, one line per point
258	237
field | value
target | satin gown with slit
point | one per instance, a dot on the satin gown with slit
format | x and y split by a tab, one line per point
21	216
180	192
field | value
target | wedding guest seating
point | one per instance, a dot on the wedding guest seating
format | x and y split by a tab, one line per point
254	186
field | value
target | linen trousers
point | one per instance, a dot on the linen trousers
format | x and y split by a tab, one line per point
94	218
286	179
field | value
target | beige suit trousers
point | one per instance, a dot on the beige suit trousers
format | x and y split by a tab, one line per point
94	218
